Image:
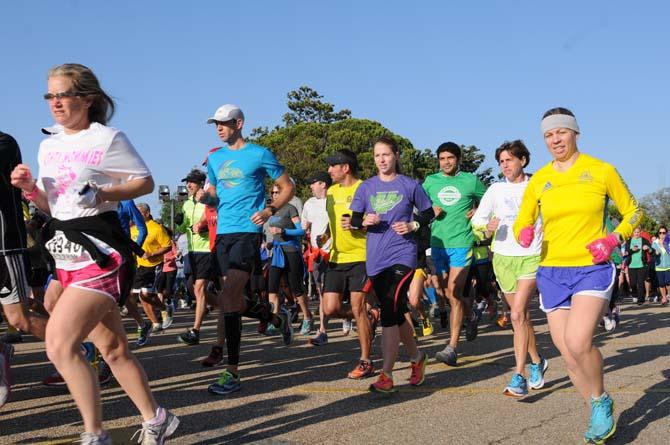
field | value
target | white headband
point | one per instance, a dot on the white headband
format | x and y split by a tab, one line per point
559	121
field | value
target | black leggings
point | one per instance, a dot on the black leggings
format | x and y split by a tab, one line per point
293	272
637	276
391	286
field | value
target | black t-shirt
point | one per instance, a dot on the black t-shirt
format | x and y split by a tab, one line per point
12	226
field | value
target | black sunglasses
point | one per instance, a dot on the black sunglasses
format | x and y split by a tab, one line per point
62	94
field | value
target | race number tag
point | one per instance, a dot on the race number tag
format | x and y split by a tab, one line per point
63	249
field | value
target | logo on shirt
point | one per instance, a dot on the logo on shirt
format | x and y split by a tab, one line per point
547	186
383	202
449	195
585	177
230	176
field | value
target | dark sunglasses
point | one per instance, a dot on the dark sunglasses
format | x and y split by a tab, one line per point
63	94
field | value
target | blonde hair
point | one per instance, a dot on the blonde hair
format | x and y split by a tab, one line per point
85	82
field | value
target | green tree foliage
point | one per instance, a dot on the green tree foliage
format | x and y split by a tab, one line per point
648	224
313	131
471	159
306	105
165	212
657	206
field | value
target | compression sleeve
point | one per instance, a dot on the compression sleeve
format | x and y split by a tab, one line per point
426	217
298	231
625	203
357	220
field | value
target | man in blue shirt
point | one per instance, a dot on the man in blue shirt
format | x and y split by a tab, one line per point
236	175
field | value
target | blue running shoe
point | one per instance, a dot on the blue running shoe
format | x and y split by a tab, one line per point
537	370
517	387
602	425
226	384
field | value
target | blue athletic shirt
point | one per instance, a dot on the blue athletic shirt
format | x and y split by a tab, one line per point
238	176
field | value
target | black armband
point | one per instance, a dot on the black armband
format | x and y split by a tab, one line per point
209	200
426	217
357	220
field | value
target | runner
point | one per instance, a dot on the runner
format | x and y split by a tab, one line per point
14	265
84	172
346	269
575	277
286	262
156	244
384	205
663	264
514	266
454	194
236	173
190	222
315	222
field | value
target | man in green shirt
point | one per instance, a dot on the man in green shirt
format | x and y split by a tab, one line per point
454	194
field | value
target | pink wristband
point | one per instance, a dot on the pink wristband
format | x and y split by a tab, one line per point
33	194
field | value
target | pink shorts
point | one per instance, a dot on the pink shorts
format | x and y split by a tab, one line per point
106	281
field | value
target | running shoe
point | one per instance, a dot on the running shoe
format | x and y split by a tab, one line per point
602	425
95	439
640	301
609	323
168	316
363	370
634	299
190	337
143	334
5	378
156	328
537	370
156	433
182	304
262	327
447	356
503	320
294	310
616	315
347	325
427	327
104	373
472	327
286	328
444	321
518	387
383	384
321	339
307	326
271	330
214	358
418	371
123	311
12	336
226	384
54	380
374	315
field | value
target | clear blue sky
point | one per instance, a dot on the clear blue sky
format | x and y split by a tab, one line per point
471	72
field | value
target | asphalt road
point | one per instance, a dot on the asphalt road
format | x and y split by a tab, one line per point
300	394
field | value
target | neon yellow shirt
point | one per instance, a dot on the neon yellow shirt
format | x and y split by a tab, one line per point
157	238
348	245
573	205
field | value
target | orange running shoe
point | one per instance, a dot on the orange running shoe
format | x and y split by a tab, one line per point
502	320
362	370
383	384
418	371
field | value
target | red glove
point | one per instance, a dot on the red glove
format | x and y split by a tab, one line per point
602	248
526	236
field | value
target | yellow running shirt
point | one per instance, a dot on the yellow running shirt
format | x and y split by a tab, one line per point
157	239
348	245
573	205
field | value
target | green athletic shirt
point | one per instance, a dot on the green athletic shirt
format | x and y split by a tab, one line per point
456	195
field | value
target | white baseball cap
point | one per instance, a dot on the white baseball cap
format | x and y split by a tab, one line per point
225	113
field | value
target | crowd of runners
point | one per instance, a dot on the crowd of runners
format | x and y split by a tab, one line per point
79	255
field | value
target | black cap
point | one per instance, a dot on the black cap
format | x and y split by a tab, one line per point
341	157
195	175
320	177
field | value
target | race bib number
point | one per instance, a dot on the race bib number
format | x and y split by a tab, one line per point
62	249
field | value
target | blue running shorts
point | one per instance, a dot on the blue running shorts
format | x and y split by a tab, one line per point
557	285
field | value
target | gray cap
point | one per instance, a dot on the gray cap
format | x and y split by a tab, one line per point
226	113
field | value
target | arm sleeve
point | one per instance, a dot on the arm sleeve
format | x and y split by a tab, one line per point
357	220
483	214
138	220
625	203
529	210
271	165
